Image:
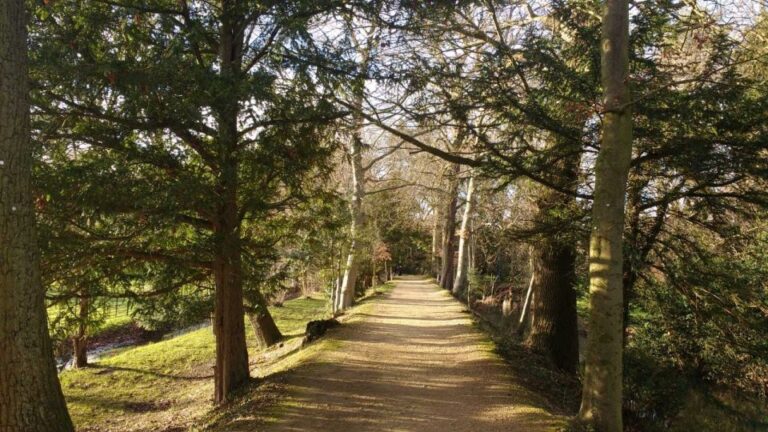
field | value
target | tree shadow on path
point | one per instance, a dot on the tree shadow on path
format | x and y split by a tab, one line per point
413	362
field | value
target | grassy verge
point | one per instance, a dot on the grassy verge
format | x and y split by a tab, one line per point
559	392
165	386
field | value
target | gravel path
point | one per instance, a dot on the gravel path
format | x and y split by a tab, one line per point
411	361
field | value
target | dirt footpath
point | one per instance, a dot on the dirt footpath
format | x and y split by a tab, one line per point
411	362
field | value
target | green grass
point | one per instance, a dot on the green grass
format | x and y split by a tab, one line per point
144	387
117	314
582	306
293	316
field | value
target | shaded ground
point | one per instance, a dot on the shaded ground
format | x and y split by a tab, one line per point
410	362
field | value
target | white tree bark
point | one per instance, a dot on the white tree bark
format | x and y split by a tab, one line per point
436	244
462	266
346	293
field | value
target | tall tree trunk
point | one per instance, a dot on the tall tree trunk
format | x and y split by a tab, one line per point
80	341
553	328
264	327
229	325
374	276
347	291
346	294
602	385
30	395
436	242
462	266
472	248
449	228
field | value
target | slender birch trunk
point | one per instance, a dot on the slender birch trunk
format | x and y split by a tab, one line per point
346	294
436	244
30	394
462	266
602	385
527	301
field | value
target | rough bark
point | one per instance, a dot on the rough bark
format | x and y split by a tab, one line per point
553	325
80	341
267	333
449	228
264	327
231	352
231	369
553	328
80	352
462	265
602	384
30	395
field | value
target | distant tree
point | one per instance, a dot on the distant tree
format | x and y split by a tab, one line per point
465	238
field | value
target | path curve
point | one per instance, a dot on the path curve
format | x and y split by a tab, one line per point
411	361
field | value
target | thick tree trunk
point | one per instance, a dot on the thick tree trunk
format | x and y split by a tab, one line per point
229	326
462	266
30	395
267	333
264	327
553	328
449	228
231	369
80	341
602	384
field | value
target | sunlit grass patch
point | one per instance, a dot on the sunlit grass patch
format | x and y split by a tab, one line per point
139	388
